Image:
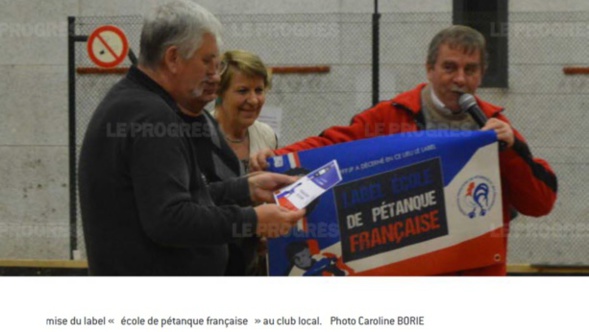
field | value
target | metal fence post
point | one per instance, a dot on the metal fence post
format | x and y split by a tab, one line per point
375	53
72	133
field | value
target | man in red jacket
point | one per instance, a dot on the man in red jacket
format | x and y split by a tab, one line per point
456	62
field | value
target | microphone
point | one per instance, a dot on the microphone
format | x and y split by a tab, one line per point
469	105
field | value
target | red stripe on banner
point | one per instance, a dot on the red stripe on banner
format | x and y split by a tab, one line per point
486	251
296	158
313	247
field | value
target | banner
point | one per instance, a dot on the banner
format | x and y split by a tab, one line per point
422	203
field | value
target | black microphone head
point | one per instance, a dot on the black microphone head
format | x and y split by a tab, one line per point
466	101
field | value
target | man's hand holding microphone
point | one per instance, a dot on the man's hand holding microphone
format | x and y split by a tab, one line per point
503	130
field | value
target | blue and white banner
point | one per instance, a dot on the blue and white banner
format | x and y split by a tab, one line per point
409	204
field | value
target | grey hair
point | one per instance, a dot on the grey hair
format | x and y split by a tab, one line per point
458	36
179	23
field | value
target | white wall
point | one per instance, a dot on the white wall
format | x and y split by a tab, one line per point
33	130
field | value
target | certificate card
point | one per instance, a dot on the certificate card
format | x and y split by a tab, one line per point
301	193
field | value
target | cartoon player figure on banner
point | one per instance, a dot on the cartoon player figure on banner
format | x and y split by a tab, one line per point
310	262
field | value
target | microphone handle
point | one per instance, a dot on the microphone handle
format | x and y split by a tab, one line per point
480	118
477	116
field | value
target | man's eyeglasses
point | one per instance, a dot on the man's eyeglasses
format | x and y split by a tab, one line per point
220	67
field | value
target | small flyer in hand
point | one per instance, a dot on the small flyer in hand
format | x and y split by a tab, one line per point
301	193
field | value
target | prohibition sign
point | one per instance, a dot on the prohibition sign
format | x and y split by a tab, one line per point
107	46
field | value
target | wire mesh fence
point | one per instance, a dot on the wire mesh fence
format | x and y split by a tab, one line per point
543	103
549	108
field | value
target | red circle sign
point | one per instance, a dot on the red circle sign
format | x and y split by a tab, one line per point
107	46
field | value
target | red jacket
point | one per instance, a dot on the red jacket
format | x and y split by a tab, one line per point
528	184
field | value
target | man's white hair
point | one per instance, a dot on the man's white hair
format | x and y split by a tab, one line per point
178	23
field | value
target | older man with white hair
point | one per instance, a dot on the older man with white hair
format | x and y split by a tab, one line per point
146	208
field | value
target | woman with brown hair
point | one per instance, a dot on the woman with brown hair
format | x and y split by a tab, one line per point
242	93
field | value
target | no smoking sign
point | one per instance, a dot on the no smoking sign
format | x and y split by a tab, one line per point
107	46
